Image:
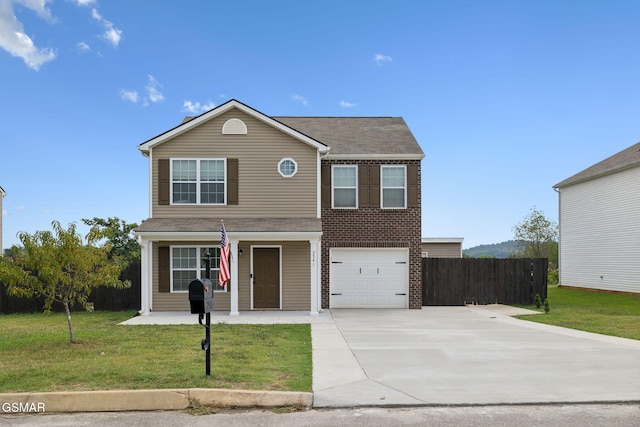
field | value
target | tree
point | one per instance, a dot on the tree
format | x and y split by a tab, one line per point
537	237
119	234
61	268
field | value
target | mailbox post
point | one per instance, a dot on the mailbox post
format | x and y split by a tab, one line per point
201	302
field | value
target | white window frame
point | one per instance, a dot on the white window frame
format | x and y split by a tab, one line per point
295	167
382	187
333	186
198	181
199	272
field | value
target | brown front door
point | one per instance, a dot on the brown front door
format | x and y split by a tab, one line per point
266	278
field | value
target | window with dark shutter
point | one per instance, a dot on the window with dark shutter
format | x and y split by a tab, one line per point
413	188
374	186
364	199
325	173
164	181
232	179
164	269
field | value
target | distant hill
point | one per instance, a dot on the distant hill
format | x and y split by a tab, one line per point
496	250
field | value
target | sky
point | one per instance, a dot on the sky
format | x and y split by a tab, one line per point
506	98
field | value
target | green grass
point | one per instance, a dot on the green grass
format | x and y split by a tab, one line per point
35	355
603	313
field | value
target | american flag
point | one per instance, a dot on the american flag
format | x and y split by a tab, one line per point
223	275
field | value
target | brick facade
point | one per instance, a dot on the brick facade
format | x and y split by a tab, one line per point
375	228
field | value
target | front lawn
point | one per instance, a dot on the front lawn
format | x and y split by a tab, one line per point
35	355
603	313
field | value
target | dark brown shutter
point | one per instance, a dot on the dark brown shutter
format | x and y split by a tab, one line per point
364	200
325	180
164	270
374	186
163	181
413	186
232	178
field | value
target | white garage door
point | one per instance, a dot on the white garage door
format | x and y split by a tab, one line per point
369	278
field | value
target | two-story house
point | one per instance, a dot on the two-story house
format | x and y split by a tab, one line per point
320	212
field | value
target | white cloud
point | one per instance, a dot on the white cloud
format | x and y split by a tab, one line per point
4	212
129	95
14	40
153	89
19	208
345	104
196	107
84	2
152	93
83	47
300	99
381	59
38	6
112	34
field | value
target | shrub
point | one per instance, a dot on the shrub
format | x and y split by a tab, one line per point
538	301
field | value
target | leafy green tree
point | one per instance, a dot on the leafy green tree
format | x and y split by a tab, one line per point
61	267
119	233
537	237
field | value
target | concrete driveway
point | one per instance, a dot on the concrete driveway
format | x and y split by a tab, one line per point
465	355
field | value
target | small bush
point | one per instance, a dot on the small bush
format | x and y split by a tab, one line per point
547	309
538	301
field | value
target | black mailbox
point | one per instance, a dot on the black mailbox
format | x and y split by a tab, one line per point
201	296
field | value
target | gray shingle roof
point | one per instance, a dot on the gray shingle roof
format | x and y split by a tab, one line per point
358	135
622	160
213	225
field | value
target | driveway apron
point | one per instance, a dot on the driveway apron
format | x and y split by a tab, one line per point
465	356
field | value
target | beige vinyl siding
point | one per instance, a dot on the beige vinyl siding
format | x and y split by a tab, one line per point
600	233
179	301
296	273
263	192
443	250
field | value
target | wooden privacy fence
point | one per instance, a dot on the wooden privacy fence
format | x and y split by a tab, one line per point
460	281
102	298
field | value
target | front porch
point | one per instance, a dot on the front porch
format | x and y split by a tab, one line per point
274	264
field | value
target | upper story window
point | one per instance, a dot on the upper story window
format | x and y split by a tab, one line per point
188	264
394	187
287	167
345	186
198	181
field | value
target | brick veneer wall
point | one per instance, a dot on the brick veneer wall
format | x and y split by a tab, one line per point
375	228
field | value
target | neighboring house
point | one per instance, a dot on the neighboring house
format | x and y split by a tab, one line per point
442	247
320	212
2	194
599	220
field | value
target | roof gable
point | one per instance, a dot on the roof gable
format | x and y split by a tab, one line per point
188	124
624	159
2	192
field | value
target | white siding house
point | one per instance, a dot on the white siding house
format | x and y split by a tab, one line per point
600	225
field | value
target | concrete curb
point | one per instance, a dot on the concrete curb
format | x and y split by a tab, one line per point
150	400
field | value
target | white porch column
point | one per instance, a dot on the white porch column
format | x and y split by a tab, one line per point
235	280
314	245
145	276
